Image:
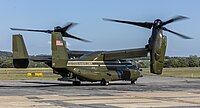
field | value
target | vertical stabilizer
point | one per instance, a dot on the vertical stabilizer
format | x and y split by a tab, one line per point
59	51
20	54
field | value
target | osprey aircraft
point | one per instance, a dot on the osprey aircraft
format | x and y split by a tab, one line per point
102	66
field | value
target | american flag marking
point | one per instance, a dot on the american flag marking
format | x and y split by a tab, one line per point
59	43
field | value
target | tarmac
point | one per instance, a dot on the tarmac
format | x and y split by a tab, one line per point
149	91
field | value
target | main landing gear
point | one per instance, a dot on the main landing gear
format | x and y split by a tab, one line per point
104	82
76	83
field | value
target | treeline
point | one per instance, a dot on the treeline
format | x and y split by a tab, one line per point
191	61
172	62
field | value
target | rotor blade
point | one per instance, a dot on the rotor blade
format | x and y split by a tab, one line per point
183	36
177	18
74	37
45	31
141	24
68	26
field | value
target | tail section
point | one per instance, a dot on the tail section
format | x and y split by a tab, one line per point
59	51
20	54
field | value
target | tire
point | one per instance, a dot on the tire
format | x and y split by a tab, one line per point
76	83
104	82
133	81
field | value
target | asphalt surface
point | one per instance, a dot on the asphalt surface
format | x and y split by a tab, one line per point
150	91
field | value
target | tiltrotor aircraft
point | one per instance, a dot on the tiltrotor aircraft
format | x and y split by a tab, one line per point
102	66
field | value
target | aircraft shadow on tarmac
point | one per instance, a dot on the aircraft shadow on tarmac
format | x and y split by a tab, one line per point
70	84
41	84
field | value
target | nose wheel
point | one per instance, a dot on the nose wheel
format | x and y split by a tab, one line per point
133	81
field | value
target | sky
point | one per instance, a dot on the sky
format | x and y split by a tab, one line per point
46	14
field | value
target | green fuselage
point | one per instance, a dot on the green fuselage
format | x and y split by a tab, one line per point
108	70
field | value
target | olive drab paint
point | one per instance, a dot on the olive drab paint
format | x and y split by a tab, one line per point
59	51
157	53
20	54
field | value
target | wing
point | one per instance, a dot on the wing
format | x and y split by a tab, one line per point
91	55
45	58
48	58
123	54
115	55
75	54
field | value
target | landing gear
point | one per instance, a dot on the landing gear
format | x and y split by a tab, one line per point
104	82
63	79
76	83
133	81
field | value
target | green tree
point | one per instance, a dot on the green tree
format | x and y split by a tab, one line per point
183	62
193	61
7	64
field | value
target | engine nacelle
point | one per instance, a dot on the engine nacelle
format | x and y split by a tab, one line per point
157	55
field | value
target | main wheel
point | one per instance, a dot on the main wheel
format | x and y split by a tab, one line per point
104	82
76	83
